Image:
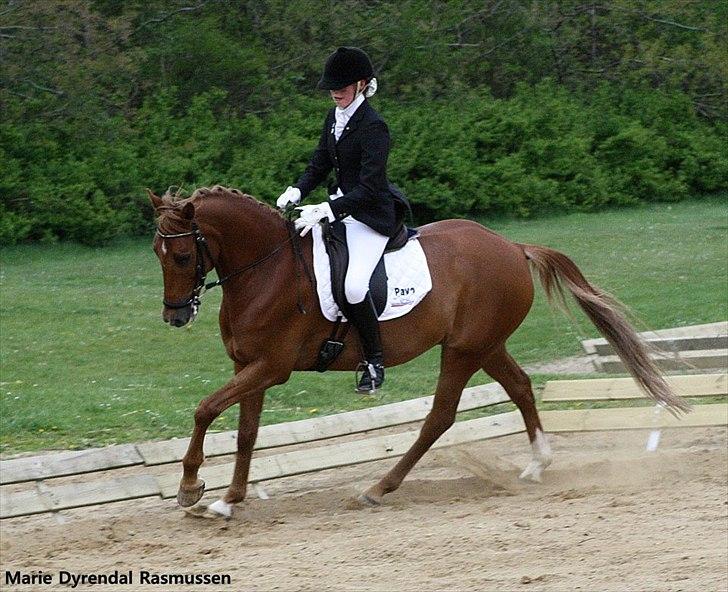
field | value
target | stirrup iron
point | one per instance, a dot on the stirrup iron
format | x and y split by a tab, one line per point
372	378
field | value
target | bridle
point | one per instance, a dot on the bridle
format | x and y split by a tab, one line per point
202	249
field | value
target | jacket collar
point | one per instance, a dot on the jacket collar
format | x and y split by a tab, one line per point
355	120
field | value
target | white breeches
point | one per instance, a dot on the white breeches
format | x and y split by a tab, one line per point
365	249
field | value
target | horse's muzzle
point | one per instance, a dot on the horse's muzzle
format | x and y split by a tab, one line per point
178	317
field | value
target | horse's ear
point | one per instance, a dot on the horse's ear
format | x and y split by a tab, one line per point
188	211
155	199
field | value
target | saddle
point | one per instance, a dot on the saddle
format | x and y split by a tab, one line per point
334	240
400	281
334	235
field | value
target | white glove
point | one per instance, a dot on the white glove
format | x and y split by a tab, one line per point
312	215
290	195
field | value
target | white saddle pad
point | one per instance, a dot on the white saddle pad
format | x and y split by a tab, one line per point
408	279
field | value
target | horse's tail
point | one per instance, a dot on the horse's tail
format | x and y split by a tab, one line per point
555	271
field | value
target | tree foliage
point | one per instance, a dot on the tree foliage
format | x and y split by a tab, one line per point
516	107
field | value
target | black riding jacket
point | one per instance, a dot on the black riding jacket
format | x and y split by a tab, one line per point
359	160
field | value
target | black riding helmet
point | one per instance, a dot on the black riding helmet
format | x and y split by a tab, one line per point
345	66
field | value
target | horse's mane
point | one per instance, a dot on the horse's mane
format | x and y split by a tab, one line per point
174	200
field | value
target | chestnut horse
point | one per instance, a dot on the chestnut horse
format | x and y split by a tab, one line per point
481	292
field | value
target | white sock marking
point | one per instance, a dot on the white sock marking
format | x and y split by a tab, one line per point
654	439
221	507
541	458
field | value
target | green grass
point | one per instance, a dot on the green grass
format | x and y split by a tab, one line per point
86	360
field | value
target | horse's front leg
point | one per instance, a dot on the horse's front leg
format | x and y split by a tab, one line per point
246	387
191	488
250	409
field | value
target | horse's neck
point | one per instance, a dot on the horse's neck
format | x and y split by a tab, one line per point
244	230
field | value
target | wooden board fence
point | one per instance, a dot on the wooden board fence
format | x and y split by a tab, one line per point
350	453
102	487
610	389
52	465
322	428
674	344
709	329
630	418
47	498
707	359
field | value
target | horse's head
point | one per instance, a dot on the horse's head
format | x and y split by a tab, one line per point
184	255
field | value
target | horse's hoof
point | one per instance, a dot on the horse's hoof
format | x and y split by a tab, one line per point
363	500
369	501
531	475
189	497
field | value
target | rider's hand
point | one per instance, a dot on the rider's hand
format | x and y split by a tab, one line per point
290	195
312	215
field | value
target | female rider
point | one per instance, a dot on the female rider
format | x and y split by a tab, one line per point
355	144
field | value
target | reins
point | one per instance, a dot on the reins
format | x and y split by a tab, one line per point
202	249
221	281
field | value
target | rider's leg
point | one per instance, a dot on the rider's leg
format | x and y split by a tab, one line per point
366	247
363	316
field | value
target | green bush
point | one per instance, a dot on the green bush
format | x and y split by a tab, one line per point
14	227
545	149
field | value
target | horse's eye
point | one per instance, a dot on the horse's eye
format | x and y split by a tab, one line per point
182	258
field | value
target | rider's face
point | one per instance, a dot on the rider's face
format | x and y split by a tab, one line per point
344	96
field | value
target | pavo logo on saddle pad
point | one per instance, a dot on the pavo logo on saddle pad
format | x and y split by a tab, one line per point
403	296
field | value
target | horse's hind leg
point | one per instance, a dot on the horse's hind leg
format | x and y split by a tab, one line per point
455	371
504	369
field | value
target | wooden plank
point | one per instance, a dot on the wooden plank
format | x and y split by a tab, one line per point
610	389
349	453
102	492
674	344
587	420
719	328
77	495
708	359
68	463
322	428
22	503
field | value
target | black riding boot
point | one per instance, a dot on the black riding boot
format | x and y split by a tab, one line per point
364	317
